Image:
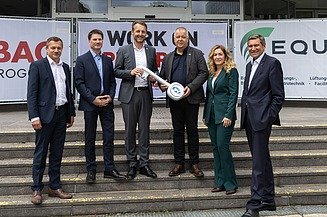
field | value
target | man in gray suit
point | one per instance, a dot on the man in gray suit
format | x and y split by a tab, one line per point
187	66
136	97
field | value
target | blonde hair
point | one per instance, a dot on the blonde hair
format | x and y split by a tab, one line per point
228	64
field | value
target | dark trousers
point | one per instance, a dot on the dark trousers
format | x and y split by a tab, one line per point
225	177
183	115
51	135
137	112
262	183
107	119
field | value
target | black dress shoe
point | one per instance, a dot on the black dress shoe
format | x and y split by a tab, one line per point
251	213
131	174
267	206
90	177
214	190
146	170
113	174
233	191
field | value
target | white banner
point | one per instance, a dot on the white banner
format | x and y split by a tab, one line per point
116	34
22	41
300	45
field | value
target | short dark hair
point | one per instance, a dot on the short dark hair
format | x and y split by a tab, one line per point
95	31
53	38
142	23
258	36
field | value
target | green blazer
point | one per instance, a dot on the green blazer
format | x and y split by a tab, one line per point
223	96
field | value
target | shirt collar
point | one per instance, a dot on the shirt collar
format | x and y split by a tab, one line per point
184	51
258	60
135	48
94	54
51	62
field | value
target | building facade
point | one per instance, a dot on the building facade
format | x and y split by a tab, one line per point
182	10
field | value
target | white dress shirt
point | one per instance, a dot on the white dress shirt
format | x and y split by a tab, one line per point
140	60
59	77
255	64
60	81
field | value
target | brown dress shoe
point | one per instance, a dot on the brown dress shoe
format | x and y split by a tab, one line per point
36	198
196	171
178	169
59	193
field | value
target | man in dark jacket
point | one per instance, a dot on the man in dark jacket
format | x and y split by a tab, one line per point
50	110
187	66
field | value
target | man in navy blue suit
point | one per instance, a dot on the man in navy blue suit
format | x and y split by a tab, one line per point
262	100
50	110
96	84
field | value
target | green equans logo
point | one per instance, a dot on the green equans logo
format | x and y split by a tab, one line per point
264	31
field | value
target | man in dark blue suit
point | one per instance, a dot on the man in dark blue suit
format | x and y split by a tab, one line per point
50	110
262	100
96	84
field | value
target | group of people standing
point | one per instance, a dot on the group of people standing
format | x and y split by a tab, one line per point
51	109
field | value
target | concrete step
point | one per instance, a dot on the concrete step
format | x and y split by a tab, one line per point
165	146
14	185
154	200
164	132
76	164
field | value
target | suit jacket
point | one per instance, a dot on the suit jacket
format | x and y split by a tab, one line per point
197	73
125	62
41	91
88	80
264	99
223	95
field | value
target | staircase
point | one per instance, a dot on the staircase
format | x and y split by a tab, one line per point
299	155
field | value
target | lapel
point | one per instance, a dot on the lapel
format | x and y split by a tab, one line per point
210	83
247	76
148	59
170	65
49	71
132	55
188	59
220	76
105	65
66	70
147	55
258	71
92	61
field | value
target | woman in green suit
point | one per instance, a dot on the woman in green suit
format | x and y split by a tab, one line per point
220	115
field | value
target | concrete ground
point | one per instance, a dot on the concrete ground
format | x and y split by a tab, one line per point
294	211
13	121
290	116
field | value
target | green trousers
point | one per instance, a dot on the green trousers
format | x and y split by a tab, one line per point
224	170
